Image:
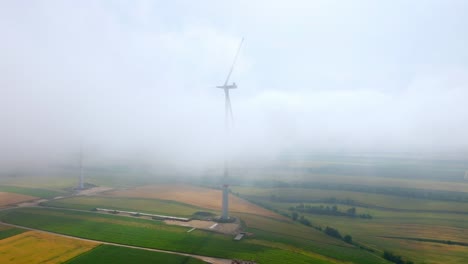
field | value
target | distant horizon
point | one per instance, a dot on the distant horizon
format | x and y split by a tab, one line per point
137	79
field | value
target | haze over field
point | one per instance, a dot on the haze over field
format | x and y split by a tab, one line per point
135	79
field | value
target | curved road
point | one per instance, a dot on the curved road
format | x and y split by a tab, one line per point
204	258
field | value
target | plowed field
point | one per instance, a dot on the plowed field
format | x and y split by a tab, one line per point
12	198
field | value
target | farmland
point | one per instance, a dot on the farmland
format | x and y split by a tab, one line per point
348	197
205	197
152	206
424	221
13	198
121	255
410	227
39	247
155	234
7	231
37	192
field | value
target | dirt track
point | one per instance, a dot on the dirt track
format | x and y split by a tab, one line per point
225	228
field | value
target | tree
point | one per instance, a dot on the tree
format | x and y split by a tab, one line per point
294	216
348	239
332	232
351	211
304	221
392	257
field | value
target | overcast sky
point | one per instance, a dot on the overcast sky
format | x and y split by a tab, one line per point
137	78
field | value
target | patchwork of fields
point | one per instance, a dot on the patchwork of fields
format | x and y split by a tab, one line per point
32	191
424	221
193	195
8	231
7	198
38	247
364	199
144	205
433	234
265	248
22	246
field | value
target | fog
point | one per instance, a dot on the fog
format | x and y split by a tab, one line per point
135	80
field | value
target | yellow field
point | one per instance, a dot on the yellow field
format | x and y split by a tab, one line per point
12	198
198	196
38	247
431	253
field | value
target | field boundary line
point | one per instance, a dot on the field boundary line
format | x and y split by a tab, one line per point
203	258
429	240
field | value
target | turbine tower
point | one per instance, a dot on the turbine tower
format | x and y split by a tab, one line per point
228	123
80	180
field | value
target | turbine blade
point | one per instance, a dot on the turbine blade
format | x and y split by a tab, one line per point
235	59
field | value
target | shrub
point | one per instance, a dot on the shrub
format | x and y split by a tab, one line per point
333	232
348	239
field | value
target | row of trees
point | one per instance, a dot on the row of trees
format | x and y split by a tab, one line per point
388	190
328	230
336	234
390	256
327	210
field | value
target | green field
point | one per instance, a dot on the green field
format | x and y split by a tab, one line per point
423	218
423	231
370	200
377	165
42	193
6	231
151	206
264	247
122	255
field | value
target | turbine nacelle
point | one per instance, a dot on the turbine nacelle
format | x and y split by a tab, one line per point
232	86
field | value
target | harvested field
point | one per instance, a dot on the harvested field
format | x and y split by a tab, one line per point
194	195
39	247
7	198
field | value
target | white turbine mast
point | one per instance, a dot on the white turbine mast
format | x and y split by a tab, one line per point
81	180
229	120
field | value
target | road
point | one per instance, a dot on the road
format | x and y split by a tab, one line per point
203	258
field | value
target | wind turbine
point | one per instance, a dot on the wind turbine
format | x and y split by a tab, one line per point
80	179
229	119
